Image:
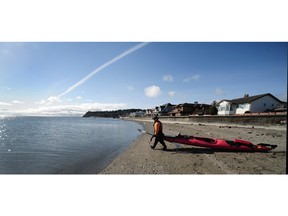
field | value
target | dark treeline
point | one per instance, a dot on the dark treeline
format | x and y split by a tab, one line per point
111	114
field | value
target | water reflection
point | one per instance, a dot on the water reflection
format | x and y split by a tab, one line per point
61	145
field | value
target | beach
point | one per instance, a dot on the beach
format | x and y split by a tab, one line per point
139	158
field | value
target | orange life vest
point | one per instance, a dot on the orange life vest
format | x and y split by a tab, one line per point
157	128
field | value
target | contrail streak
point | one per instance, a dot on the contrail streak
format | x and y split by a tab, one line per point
97	70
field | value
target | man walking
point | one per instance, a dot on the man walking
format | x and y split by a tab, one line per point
158	133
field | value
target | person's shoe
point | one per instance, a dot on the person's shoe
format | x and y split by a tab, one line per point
152	147
165	148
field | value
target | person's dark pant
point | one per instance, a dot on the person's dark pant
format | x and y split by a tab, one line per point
159	139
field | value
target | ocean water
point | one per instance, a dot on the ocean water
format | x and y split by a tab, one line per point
62	145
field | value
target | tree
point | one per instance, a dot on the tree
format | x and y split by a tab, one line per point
213	108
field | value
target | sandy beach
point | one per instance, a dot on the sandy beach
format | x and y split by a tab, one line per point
139	158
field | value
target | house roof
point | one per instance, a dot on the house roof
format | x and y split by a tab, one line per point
167	104
166	108
249	99
184	104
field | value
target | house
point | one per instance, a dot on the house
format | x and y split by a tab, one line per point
152	112
140	113
187	109
248	104
202	109
162	110
165	109
281	107
182	109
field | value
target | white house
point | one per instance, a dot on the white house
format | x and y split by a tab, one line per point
252	104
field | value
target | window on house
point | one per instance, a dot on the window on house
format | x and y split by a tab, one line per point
241	106
264	104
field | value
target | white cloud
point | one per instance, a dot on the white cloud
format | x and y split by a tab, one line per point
17	102
74	109
78	97
152	91
219	91
53	99
168	78
49	101
42	102
171	93
5	104
192	78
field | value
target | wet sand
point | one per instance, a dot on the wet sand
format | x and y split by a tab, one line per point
139	158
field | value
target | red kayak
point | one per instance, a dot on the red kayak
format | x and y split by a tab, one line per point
236	145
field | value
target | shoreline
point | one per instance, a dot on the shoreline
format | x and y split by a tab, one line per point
139	158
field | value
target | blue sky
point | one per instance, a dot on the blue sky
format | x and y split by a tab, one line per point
44	78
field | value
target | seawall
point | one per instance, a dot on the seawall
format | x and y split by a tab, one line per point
256	120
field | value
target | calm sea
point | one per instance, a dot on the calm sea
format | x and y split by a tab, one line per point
67	145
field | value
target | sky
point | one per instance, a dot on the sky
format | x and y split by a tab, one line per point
71	78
